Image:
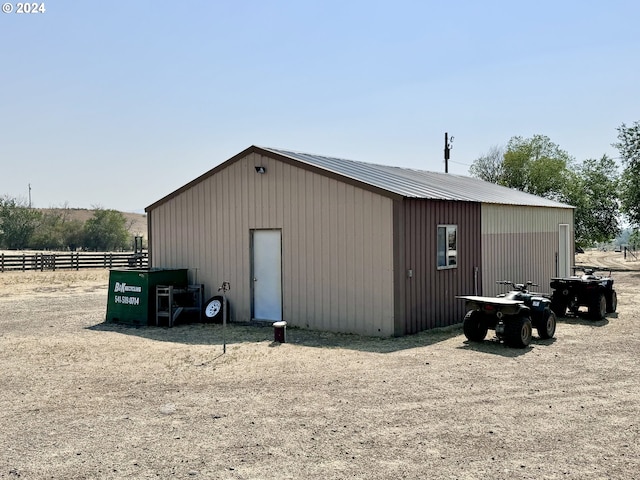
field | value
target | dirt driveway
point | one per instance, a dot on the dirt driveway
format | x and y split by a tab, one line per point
83	400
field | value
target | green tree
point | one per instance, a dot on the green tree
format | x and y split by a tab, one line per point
489	167
106	230
48	233
592	188
73	234
18	222
58	231
536	165
629	147
634	239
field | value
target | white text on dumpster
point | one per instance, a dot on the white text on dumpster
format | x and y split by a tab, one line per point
127	300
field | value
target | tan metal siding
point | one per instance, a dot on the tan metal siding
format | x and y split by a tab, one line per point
337	242
520	244
430	293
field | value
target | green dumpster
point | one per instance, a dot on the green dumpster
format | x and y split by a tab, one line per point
132	293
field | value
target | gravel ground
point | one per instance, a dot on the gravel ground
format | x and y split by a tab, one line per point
81	399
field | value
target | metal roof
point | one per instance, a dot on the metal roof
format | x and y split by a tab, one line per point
414	183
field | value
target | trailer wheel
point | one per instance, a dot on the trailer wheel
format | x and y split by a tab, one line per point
598	309
474	326
547	324
612	302
213	309
518	332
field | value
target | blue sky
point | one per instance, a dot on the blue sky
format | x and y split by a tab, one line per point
117	103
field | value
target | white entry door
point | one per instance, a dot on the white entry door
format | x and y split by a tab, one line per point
267	274
564	251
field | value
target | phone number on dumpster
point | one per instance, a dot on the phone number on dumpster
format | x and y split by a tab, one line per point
127	300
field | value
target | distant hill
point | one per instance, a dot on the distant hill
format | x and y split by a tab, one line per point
136	222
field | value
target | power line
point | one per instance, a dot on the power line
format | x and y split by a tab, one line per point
460	163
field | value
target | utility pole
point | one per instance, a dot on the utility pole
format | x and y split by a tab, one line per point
447	150
29	195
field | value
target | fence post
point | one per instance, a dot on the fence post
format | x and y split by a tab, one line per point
2	263
24	262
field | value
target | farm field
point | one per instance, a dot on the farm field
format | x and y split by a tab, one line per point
81	399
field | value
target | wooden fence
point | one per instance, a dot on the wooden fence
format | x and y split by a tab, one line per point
72	260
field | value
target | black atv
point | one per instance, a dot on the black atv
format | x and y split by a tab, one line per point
587	290
512	315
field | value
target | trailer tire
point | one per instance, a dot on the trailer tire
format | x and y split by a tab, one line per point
547	324
518	332
213	309
612	302
474	326
598	309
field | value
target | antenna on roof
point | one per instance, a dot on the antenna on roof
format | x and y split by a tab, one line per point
447	150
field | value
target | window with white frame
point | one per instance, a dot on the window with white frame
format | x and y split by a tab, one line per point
447	246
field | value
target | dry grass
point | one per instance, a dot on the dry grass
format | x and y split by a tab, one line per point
81	399
22	283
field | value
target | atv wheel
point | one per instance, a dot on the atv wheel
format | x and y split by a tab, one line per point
598	309
612	302
474	326
547	324
518	332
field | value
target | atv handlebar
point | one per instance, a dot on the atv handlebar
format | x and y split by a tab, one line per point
591	270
